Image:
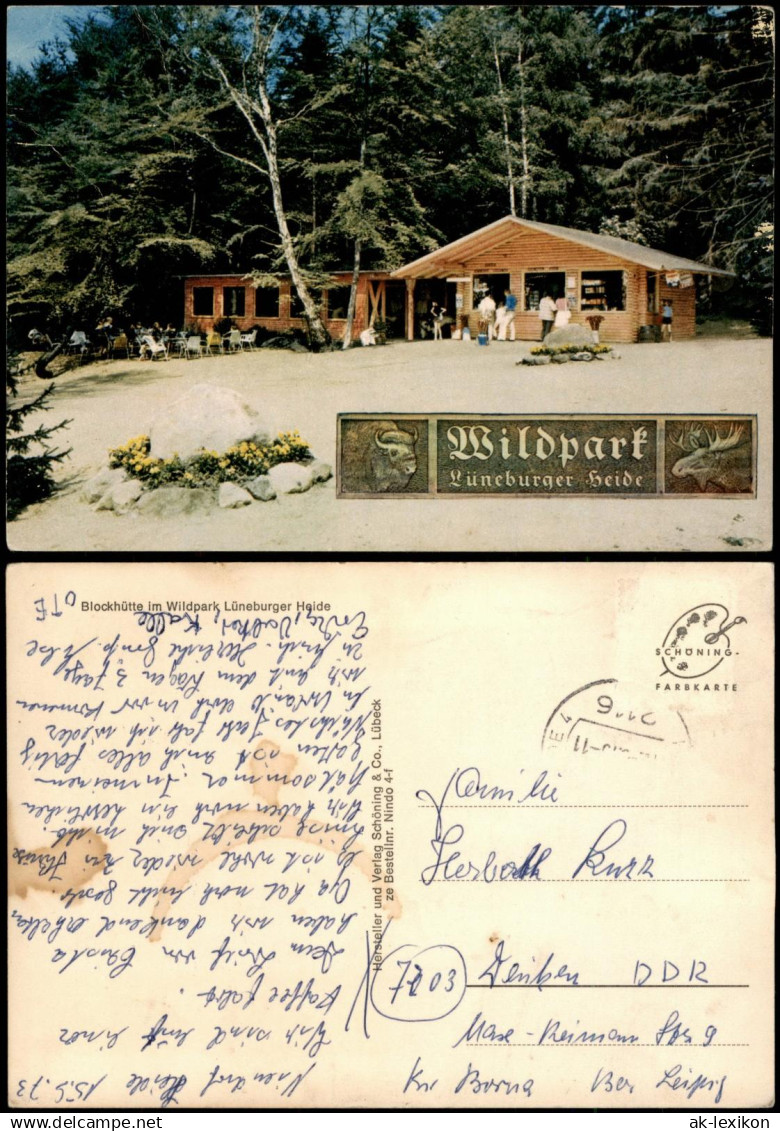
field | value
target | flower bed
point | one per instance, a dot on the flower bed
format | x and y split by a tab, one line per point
238	464
553	351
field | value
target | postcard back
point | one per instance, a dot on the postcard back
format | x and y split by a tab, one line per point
391	835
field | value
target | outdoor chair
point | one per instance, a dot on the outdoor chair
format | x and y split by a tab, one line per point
78	342
213	342
193	346
231	341
248	340
156	349
177	345
120	342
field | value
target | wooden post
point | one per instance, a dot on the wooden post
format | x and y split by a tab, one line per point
372	303
410	310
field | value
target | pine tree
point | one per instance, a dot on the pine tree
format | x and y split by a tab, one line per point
158	140
376	207
688	101
97	217
30	460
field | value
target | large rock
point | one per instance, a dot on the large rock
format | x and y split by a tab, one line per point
121	497
320	471
260	488
231	495
571	335
96	487
290	478
172	502
207	417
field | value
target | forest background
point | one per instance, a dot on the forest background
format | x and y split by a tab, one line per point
153	142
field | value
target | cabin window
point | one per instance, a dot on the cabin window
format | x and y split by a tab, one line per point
203	300
296	306
267	302
495	285
603	290
652	293
233	299
338	301
541	283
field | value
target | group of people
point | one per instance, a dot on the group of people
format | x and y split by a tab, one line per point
110	337
498	321
553	312
106	336
137	332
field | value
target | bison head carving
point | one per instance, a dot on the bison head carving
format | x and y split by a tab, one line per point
377	455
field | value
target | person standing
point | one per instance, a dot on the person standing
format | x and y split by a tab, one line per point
562	312
507	323
437	317
105	332
666	320
487	313
546	314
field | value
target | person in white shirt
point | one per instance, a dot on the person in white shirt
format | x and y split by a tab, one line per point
487	312
546	314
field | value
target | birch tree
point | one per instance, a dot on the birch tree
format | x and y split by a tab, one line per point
239	46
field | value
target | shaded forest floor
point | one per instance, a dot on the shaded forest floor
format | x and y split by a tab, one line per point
722	326
109	402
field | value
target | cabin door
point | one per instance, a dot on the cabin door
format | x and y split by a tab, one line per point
395	308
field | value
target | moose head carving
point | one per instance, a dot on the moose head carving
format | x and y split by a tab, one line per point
721	461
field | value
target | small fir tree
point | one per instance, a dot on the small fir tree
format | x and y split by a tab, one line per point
30	459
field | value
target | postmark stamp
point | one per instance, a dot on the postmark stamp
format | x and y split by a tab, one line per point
609	717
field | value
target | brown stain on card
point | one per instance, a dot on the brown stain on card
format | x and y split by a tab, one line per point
284	764
75	857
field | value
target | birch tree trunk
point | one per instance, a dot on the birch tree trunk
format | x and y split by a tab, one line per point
526	177
251	98
318	333
347	339
505	122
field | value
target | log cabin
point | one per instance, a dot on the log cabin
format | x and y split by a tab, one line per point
208	298
624	283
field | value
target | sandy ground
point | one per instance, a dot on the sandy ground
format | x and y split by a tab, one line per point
109	402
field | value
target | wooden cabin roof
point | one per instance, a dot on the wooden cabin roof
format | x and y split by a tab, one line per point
243	277
451	259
